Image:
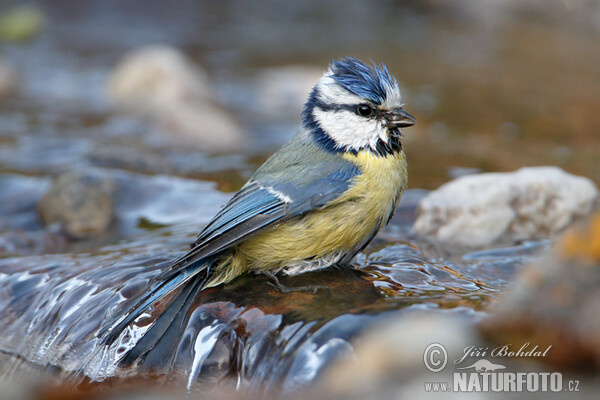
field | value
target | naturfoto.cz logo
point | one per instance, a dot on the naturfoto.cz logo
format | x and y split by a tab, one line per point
484	375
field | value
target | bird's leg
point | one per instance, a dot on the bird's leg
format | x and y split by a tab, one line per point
274	281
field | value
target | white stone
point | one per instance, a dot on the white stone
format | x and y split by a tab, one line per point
479	210
162	84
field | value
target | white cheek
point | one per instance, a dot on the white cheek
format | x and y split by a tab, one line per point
331	93
349	129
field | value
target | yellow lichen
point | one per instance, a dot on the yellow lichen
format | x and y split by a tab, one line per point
583	243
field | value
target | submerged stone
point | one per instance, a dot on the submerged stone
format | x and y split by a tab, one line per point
81	203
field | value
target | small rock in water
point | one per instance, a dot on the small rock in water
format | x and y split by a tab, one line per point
556	302
163	85
479	210
81	202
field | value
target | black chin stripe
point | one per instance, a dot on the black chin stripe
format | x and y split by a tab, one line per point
385	149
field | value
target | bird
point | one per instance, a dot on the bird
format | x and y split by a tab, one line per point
316	202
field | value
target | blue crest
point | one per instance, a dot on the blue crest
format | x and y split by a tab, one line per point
371	83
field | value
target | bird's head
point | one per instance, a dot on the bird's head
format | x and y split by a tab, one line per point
356	107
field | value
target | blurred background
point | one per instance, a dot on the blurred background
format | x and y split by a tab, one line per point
125	125
495	84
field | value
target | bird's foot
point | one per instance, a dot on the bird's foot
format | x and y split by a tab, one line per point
274	281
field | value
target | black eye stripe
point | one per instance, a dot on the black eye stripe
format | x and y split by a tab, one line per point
344	107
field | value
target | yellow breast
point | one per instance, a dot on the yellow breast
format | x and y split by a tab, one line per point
381	181
337	228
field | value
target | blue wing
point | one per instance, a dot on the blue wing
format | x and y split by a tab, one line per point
263	202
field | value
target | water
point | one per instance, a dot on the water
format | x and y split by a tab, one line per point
55	292
249	330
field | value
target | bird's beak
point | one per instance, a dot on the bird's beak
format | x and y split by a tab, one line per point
398	118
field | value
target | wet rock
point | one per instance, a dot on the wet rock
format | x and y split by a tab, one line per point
555	302
282	91
138	203
81	202
389	356
478	210
163	85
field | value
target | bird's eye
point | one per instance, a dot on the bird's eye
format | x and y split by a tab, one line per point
364	110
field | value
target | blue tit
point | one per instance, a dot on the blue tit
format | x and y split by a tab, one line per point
316	202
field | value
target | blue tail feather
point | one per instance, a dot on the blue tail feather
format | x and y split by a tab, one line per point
170	281
160	342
